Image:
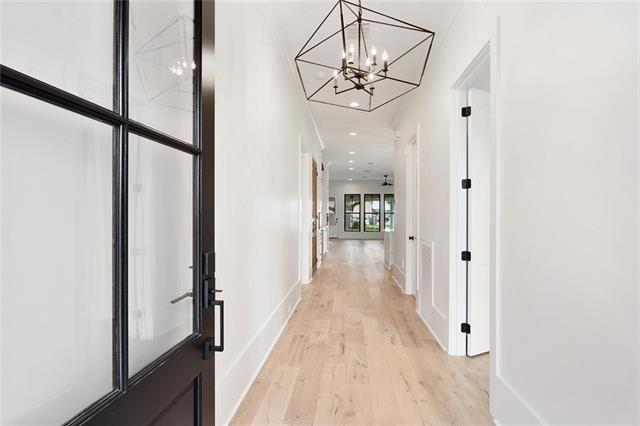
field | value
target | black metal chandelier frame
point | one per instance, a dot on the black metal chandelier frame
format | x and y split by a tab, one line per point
359	77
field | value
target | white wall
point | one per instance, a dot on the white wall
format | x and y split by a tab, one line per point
338	188
259	117
565	79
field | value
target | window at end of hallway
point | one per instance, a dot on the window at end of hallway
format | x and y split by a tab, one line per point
389	210
372	213
351	212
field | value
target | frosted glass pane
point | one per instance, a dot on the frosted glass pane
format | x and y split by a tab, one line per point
160	249
55	261
161	65
68	44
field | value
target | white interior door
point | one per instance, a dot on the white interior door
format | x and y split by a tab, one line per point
479	222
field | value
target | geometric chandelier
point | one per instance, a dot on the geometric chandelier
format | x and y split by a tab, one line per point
342	64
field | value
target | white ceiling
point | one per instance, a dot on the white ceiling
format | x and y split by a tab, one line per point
293	22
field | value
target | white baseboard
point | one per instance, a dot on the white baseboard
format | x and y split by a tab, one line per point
397	275
255	353
398	284
435	336
509	407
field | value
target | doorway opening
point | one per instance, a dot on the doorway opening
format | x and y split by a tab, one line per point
412	214
333	217
471	195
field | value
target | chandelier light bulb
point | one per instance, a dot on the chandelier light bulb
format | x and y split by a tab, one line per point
371	76
374	54
385	57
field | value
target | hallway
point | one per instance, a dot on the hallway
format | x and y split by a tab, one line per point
355	351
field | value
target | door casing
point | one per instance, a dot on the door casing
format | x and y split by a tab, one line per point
457	208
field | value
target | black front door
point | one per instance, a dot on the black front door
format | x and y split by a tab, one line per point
107	171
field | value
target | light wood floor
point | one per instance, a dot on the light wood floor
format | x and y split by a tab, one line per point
356	352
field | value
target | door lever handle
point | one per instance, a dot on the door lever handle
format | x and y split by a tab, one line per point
182	297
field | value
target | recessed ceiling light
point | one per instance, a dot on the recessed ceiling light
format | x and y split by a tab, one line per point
352	152
349	180
353	133
350	168
351	161
370	163
354	104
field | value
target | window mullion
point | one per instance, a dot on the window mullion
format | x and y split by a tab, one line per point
120	168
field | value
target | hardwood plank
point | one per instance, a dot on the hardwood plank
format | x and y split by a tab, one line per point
276	400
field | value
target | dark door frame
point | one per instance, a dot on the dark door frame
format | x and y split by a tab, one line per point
202	151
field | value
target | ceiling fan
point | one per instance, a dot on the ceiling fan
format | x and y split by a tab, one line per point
385	181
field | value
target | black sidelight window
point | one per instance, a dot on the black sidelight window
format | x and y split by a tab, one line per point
352	212
389	211
372	213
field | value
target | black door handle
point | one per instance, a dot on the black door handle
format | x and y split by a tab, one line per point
220	347
412	238
209	344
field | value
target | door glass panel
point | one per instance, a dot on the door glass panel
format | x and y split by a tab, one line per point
161	65
160	250
66	44
55	261
352	223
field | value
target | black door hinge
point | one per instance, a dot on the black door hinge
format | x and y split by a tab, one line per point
466	111
466	183
465	328
466	256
